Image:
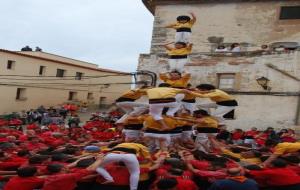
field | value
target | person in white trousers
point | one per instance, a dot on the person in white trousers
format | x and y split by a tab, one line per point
178	55
223	103
127	103
183	27
163	97
130	161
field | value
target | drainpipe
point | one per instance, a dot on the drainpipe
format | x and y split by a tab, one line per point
297	118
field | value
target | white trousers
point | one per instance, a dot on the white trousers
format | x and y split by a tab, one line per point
183	37
155	110
131	108
130	162
189	106
202	141
177	64
132	134
219	111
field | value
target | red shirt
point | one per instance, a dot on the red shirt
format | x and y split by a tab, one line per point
64	181
276	177
186	184
237	136
201	165
120	174
24	183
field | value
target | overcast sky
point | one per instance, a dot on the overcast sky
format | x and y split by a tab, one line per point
110	33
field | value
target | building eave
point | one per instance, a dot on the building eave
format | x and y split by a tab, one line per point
151	4
63	63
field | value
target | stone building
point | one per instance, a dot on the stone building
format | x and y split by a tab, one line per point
29	79
252	24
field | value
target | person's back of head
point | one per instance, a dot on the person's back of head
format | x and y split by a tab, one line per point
23	153
200	112
164	85
85	163
54	168
28	171
37	159
270	143
167	184
59	157
279	163
206	87
176	171
234	172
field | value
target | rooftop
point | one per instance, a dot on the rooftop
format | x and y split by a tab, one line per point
150	4
61	60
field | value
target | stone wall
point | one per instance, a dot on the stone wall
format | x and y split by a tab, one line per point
250	23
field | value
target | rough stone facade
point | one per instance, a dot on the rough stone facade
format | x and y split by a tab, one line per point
252	24
249	23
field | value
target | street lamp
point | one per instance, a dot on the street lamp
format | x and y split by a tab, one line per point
263	82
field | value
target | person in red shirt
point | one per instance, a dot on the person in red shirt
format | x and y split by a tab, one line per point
26	180
237	136
60	179
182	182
278	176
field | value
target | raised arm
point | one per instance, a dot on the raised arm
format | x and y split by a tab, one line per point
168	47
194	18
170	26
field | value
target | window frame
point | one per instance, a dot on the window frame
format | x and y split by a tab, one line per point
281	18
219	77
63	73
11	63
78	75
21	94
42	70
90	96
72	95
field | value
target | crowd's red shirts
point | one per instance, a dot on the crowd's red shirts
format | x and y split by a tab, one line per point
35	146
262	139
13	162
295	169
201	165
64	181
276	177
251	133
3	139
15	122
219	174
32	126
185	184
237	135
3	122
120	174
24	183
53	127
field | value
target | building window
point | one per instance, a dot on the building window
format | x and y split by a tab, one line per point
72	96
290	12
78	76
21	94
90	96
102	102
60	73
42	70
10	64
226	81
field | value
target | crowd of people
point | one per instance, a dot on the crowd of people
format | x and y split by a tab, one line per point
172	141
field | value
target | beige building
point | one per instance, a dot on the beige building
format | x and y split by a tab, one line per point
250	23
29	79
